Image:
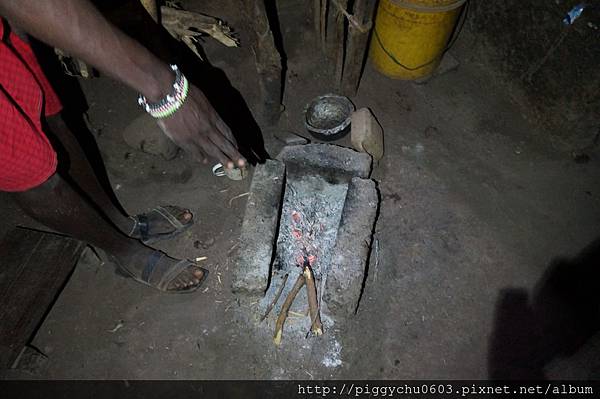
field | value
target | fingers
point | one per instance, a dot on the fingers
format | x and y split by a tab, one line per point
214	152
198	129
229	150
229	146
225	130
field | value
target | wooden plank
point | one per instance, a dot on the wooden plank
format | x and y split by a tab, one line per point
356	47
34	266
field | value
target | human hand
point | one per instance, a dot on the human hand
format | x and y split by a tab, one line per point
197	128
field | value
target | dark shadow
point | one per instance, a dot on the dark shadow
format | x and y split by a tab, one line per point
563	313
513	339
132	18
74	112
231	106
275	24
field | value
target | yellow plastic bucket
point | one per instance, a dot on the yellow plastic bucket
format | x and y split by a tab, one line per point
410	36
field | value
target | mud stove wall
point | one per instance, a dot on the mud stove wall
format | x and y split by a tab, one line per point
314	204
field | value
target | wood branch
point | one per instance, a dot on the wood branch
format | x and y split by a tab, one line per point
311	290
181	23
283	313
357	43
74	66
275	299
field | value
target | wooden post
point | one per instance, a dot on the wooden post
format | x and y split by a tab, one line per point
356	47
317	21
323	22
268	61
337	36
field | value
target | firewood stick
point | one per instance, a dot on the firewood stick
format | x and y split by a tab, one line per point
311	291
285	309
277	295
178	23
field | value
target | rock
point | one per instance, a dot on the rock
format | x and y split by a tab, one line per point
346	273
367	134
144	134
337	164
259	228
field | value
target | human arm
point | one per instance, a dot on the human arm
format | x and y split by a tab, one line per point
78	28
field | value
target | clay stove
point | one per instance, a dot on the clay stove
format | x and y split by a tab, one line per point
313	206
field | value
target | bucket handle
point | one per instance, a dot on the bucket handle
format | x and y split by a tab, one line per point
450	43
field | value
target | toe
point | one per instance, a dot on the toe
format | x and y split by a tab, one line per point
198	273
186	216
188	279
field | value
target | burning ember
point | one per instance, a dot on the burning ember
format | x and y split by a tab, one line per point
312	209
305	257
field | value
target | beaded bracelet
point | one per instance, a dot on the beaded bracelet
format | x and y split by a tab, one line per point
172	102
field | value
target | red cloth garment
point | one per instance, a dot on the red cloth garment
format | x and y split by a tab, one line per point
27	158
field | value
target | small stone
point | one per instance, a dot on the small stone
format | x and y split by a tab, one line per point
208	243
431	131
449	63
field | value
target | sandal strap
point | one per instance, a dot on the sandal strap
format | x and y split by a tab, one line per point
135	225
142	221
164	212
167	273
141	225
150	265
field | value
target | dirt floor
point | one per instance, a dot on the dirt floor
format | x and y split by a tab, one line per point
478	209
